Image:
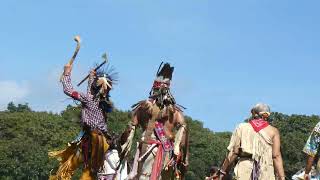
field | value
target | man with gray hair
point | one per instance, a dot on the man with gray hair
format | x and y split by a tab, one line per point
256	147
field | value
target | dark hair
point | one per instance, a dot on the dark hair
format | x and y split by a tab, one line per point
106	105
115	143
213	170
104	102
94	88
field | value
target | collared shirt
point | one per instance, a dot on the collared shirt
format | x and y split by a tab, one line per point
312	146
91	114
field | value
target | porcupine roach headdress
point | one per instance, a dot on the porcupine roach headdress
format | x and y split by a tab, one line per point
104	78
161	86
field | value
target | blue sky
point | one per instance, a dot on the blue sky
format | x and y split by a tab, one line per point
228	55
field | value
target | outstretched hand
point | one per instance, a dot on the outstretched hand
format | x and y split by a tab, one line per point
67	69
92	73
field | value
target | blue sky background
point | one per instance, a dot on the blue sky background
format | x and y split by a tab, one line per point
228	55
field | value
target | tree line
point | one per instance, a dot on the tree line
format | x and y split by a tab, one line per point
26	137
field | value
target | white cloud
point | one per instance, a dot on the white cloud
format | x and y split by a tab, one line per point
12	91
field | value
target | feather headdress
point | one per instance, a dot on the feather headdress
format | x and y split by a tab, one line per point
161	86
164	76
102	84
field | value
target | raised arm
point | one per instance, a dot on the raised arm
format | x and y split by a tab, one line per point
68	88
276	155
90	81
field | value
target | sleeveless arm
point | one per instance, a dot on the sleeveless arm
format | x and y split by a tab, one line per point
181	125
276	155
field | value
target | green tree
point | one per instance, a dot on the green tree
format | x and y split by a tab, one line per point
27	136
11	107
23	108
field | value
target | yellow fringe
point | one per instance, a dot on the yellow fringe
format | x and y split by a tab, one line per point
71	157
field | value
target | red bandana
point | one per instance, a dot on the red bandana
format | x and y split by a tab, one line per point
258	124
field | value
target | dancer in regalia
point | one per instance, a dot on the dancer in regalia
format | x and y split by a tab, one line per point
90	146
162	152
